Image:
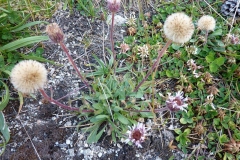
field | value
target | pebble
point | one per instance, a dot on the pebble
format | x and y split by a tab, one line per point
68	141
99	154
71	152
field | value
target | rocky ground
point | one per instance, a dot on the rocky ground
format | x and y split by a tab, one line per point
44	131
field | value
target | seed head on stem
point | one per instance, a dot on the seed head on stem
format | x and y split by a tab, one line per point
28	76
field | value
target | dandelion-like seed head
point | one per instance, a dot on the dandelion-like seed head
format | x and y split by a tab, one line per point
28	76
177	102
178	27
136	134
54	32
113	5
206	23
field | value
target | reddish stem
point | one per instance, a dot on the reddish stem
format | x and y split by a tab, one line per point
74	64
111	37
60	104
155	65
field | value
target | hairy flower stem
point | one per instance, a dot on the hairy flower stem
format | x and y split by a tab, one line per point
60	104
206	37
64	48
155	65
111	37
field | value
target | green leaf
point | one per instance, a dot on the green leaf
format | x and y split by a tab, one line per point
216	33
23	42
122	118
28	25
183	121
147	114
220	43
40	59
92	136
176	46
219	61
213	67
5	98
104	96
187	131
4	128
98	136
169	73
102	117
219	49
178	131
223	139
210	57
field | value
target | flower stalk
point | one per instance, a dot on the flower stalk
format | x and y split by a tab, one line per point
64	48
60	104
111	37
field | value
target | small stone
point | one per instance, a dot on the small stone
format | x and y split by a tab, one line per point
118	20
71	152
100	154
68	141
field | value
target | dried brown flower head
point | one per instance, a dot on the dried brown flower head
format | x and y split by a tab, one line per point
200	129
131	31
207	78
55	33
124	47
212	90
221	114
232	146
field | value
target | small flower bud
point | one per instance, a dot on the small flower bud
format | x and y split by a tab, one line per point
55	33
113	5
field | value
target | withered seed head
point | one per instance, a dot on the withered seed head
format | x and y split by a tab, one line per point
212	90
232	146
199	129
55	33
207	78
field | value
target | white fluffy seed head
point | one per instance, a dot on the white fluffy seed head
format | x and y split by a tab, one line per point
28	76
178	27
206	23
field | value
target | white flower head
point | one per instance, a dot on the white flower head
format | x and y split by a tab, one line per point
136	134
28	76
192	50
131	21
178	27
177	102
206	23
209	101
143	51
